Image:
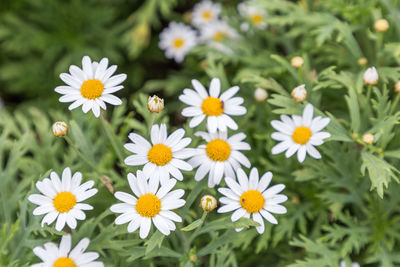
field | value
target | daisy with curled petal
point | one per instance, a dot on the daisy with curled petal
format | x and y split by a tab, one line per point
177	40
300	134
153	203
63	256
219	156
92	86
205	12
164	156
251	198
60	199
215	107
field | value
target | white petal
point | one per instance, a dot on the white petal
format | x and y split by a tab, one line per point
215	87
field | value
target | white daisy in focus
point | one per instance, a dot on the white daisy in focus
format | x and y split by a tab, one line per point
63	256
60	199
220	156
300	134
251	198
92	86
151	203
212	106
256	15
217	34
205	12
164	156
177	40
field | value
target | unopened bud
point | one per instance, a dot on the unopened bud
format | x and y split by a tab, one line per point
208	203
381	25
397	87
193	258
370	76
297	62
60	129
260	95
155	104
368	138
299	93
362	61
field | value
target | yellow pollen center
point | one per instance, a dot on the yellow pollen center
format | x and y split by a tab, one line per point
159	154
301	135
64	201
218	150
64	262
252	201
92	89
256	19
178	42
219	36
148	205
207	15
212	106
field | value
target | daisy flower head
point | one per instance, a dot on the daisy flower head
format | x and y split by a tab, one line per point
254	14
177	40
300	134
205	12
164	156
61	199
62	256
217	31
216	108
220	156
151	203
251	198
92	86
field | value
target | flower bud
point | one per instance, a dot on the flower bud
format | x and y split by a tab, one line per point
297	62
155	104
362	61
299	93
397	87
370	76
208	203
260	95
60	129
368	138
381	25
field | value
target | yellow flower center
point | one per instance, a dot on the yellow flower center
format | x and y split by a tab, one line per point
178	42
252	201
148	205
64	262
219	36
64	201
92	89
212	106
218	150
301	135
256	19
160	154
207	15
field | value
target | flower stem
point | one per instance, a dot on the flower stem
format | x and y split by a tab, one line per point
69	141
112	137
395	102
203	218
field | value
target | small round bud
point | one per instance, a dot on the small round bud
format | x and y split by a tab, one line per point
208	203
60	129
370	76
354	135
362	61
155	104
397	87
381	25
297	62
260	95
368	138
299	93
193	258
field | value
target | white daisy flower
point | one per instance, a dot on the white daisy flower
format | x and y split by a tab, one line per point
63	256
151	204
92	86
215	107
256	15
177	40
300	134
219	156
60	199
342	263
205	12
164	156
251	197
218	32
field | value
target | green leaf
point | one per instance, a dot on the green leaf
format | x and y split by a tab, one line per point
155	240
193	225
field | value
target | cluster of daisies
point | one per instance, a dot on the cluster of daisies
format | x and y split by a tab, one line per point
208	28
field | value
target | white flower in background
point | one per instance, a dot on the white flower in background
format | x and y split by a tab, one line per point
251	198
354	264
300	134
220	156
155	104
217	34
205	12
164	156
370	76
92	86
256	15
63	256
177	40
61	199
59	128
208	203
299	93
151	204
213	107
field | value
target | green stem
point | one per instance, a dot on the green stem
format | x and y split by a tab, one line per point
112	137
69	141
395	102
203	218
